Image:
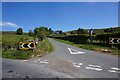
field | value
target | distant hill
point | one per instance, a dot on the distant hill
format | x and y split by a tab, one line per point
10	32
115	29
96	31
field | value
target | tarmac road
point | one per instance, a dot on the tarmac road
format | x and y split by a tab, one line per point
65	62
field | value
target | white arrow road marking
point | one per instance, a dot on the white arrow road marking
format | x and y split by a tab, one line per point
92	68
22	45
29	45
72	51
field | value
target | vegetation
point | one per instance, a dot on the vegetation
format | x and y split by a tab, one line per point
43	48
30	33
99	48
10	43
91	40
20	31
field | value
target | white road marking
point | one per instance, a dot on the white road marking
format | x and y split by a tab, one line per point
77	64
94	66
112	71
118	69
72	51
24	60
97	69
43	61
80	63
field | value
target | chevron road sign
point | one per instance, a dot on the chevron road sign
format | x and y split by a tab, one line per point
114	41
26	45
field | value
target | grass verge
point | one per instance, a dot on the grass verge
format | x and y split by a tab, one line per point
43	48
93	47
9	43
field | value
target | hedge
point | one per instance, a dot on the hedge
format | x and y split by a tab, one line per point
74	38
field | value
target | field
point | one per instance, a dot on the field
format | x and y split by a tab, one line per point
12	37
10	42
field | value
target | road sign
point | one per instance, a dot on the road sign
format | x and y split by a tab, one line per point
114	41
26	45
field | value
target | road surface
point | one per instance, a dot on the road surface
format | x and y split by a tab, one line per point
65	61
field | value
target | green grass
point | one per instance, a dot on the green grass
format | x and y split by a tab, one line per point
10	38
92	47
43	48
16	54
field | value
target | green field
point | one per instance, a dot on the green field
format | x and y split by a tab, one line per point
11	39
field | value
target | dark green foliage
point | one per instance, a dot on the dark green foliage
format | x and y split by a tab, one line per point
50	30
104	38
9	45
41	36
20	31
31	33
74	38
60	32
107	30
36	30
81	31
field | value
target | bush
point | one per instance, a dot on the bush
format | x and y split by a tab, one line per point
20	31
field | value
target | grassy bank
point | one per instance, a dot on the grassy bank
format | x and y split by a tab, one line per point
93	47
11	40
43	48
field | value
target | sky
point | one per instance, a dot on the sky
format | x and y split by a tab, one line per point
58	15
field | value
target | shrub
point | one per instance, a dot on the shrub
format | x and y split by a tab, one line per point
20	31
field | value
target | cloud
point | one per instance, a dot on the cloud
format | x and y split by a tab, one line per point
9	24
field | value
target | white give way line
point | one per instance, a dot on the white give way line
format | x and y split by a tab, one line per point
72	51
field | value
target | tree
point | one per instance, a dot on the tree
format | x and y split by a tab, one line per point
106	30
111	29
50	30
20	31
40	35
60	31
30	33
79	30
36	30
